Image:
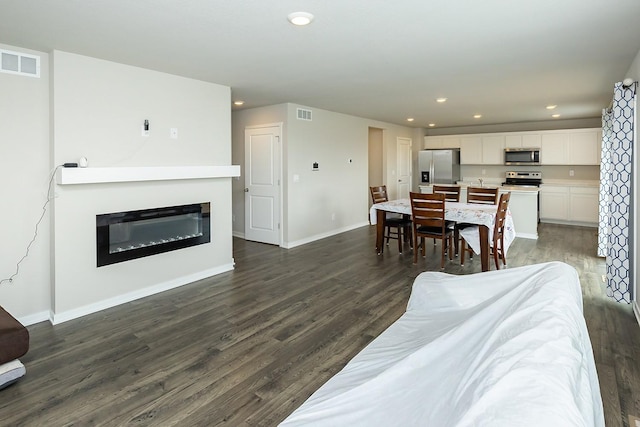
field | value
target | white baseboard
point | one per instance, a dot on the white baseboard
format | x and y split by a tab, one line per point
32	319
576	223
238	234
527	235
289	245
636	310
56	318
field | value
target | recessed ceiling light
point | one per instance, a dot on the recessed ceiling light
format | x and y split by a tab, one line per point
555	116
477	116
238	102
432	125
441	100
300	18
410	119
551	107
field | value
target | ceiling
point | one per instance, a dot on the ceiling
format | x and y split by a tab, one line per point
379	59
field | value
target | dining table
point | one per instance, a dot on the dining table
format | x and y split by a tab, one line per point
469	213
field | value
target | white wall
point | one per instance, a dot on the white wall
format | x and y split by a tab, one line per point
83	106
335	197
338	188
99	108
24	173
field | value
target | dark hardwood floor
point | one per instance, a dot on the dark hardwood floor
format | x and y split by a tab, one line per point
249	346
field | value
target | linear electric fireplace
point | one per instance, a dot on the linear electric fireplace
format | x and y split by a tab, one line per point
123	236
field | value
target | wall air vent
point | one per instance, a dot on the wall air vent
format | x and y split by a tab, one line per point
19	63
304	114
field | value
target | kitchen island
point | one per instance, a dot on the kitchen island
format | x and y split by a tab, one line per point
523	205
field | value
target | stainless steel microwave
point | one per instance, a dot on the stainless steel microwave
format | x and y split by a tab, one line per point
521	156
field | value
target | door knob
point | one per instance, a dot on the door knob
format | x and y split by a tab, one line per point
246	190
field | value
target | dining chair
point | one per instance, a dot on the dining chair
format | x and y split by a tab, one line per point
396	226
483	195
497	240
480	195
427	214
451	194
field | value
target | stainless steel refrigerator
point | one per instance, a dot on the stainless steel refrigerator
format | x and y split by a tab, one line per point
439	166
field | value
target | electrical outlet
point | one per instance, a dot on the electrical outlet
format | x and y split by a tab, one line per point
174	133
571	172
333	217
484	171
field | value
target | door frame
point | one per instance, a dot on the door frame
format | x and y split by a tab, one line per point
280	156
410	165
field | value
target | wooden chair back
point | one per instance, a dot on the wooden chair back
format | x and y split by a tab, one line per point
498	231
427	212
451	192
379	194
501	216
482	195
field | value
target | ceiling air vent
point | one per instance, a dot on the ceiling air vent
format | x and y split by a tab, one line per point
19	63
304	114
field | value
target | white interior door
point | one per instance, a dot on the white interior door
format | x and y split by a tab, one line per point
262	184
404	167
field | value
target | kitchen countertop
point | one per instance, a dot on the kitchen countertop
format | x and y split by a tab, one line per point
514	188
570	183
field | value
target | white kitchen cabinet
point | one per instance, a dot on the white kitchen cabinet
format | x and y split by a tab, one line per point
557	147
574	147
584	147
553	150
482	150
583	204
532	140
471	150
493	150
441	142
576	205
554	203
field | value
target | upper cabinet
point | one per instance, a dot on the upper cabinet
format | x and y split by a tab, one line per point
554	149
572	147
440	142
482	149
557	147
471	150
584	147
493	150
527	140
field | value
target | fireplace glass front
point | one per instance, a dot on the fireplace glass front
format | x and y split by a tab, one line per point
122	236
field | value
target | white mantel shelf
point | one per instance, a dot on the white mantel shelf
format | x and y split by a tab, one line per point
91	175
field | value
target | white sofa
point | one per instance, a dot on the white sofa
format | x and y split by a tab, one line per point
501	348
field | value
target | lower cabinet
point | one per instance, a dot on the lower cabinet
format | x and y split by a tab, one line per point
554	203
583	204
571	205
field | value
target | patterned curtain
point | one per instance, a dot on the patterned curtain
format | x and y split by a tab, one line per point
605	184
619	286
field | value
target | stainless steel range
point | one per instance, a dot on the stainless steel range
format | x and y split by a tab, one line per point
529	179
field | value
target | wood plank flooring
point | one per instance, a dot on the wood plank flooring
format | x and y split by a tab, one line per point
247	347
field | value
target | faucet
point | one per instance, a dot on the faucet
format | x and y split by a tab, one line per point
480	180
